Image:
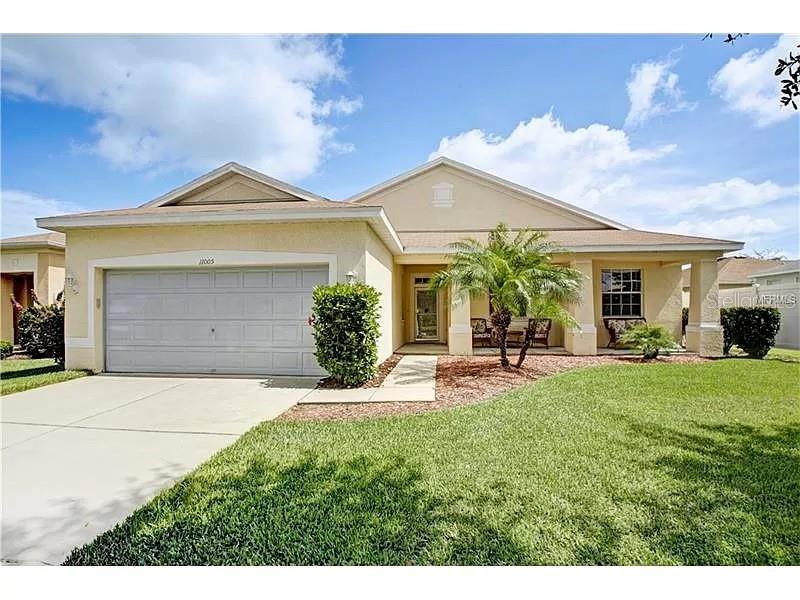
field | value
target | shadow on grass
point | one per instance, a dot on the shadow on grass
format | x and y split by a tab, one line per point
31	372
315	511
733	498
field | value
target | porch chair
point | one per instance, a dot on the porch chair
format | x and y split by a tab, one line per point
481	332
618	325
539	331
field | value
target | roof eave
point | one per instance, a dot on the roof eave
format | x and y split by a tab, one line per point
566	249
232	167
375	216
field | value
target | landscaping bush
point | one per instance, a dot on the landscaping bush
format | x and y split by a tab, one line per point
753	329
41	329
345	320
648	339
6	348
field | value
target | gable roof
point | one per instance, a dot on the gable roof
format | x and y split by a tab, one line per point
226	170
50	239
736	270
499	181
787	266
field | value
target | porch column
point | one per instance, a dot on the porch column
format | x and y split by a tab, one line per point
704	332
582	340
459	335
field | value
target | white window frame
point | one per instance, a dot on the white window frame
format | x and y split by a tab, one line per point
636	276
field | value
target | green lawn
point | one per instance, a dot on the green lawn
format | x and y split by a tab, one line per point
654	464
784	354
20	375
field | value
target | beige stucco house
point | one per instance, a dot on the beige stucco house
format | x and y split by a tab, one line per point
216	276
30	263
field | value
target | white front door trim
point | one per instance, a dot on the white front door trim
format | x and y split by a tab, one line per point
198	259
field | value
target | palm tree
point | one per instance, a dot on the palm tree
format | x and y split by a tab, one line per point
516	272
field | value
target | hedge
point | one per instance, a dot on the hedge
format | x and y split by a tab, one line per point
41	329
345	321
753	329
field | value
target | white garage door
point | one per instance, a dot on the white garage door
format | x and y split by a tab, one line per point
251	321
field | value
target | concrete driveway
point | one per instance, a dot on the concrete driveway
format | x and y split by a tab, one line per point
78	457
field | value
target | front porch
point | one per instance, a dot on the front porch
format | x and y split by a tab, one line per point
636	286
442	349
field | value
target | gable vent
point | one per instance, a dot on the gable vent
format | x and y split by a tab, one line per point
443	195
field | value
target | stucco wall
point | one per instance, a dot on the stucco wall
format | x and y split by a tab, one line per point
378	273
346	240
478	205
661	288
6	310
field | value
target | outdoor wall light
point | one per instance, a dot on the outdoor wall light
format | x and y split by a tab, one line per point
71	282
351	276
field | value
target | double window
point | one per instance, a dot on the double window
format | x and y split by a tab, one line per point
622	292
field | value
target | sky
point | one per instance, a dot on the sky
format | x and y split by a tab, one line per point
664	133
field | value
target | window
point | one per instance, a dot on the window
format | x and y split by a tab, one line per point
622	292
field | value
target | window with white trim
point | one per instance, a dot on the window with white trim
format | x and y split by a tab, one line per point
621	292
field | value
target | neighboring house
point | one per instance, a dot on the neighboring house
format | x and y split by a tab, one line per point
216	276
30	263
734	273
780	287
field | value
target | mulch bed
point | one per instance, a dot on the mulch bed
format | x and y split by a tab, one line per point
328	383
467	380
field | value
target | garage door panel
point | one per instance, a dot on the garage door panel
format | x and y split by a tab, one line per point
212	321
257	279
198	280
286	279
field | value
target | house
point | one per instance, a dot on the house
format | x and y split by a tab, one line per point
216	275
780	287
734	274
30	263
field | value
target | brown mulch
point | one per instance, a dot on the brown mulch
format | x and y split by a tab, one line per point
328	383
468	380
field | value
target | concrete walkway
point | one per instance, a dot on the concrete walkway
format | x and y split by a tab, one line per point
78	457
412	380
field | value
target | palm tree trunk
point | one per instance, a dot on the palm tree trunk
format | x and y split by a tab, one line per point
501	319
524	350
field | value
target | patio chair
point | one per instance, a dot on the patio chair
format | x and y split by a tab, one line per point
539	331
481	332
618	325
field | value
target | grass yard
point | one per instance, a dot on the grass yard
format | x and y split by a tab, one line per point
653	464
18	375
784	354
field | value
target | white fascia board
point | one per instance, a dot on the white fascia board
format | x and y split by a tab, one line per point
375	216
240	170
587	249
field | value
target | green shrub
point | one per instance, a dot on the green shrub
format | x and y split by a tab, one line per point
41	330
346	331
648	339
752	328
6	348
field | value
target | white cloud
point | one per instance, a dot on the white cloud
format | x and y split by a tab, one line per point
653	90
20	209
598	168
746	225
748	85
191	102
581	165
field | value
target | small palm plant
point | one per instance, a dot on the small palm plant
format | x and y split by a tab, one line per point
516	272
649	340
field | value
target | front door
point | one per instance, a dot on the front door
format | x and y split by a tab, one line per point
426	308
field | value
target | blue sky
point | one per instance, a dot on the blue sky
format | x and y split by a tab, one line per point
670	133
